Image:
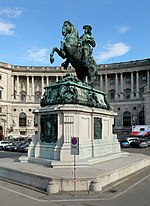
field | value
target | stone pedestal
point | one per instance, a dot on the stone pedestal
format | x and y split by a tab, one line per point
72	108
93	126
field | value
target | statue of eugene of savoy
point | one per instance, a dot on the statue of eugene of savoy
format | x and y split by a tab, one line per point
78	51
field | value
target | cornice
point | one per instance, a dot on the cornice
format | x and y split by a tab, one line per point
58	69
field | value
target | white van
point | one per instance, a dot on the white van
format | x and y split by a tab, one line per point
140	131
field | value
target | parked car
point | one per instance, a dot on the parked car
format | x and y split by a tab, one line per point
26	147
131	139
7	147
14	147
148	140
141	143
3	143
23	147
124	143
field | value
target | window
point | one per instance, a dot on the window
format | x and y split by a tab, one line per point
0	94
22	132
127	80
1	129
126	119
22	119
112	81
127	93
35	120
141	118
0	109
143	78
15	93
141	93
112	94
38	97
23	96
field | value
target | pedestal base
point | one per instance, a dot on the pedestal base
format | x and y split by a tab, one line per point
93	126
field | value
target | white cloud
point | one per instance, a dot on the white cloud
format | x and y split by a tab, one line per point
6	28
123	29
113	50
37	55
10	12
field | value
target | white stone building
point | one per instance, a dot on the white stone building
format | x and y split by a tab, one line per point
126	84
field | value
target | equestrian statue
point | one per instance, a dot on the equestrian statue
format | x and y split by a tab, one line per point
78	52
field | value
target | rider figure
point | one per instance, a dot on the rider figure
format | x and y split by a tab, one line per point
86	41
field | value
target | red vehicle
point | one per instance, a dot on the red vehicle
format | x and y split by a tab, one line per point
140	131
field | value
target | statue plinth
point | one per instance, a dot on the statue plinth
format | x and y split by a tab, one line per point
70	90
93	126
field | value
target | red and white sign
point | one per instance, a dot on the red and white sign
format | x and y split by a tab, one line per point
75	145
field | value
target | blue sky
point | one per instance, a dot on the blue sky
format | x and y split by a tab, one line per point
29	29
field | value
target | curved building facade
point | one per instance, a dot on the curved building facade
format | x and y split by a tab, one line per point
126	84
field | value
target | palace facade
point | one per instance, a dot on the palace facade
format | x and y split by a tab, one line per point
126	85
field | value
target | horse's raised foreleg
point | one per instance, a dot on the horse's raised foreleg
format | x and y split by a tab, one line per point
52	55
59	52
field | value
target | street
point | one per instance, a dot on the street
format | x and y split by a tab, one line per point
7	154
131	191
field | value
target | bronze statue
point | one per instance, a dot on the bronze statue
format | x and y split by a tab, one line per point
78	52
86	41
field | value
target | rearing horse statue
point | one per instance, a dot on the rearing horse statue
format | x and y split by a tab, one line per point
72	49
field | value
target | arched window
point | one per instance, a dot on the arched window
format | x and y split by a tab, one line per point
141	118
22	119
126	119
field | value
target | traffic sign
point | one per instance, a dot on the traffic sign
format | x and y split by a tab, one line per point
75	145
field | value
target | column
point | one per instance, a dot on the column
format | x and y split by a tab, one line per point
12	88
28	88
47	81
17	89
106	84
132	86
121	87
116	86
56	78
101	82
148	80
42	85
32	95
137	84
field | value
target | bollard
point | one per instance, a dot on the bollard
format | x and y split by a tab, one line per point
95	186
52	187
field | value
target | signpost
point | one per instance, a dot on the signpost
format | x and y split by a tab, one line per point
75	151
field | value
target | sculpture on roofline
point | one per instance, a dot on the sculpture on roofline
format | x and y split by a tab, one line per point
77	51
